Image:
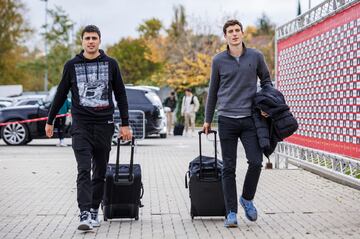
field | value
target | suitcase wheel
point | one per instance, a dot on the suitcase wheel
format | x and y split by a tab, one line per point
192	212
137	214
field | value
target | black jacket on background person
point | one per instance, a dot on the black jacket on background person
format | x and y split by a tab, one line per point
171	103
91	83
279	125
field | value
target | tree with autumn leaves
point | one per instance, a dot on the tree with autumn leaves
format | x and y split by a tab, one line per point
13	29
171	56
180	58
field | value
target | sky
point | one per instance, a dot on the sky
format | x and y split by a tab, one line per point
120	18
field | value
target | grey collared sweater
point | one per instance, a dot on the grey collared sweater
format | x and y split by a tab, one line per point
233	84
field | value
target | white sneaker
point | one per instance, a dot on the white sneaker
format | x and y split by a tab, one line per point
85	221
95	217
62	144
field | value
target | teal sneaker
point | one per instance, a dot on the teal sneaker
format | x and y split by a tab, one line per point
249	208
231	220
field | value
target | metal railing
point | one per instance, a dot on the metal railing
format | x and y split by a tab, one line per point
136	123
336	167
313	16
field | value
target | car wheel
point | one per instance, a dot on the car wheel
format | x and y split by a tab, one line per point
28	140
163	136
15	134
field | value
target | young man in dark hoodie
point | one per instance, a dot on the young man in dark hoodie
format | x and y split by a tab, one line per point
233	86
91	76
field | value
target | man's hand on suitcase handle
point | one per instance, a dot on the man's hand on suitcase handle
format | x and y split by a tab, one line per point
125	133
207	127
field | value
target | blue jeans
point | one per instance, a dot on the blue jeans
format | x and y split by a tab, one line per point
230	130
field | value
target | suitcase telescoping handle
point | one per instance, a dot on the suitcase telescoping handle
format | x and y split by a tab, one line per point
117	165
210	132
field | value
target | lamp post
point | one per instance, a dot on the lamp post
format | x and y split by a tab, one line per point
45	48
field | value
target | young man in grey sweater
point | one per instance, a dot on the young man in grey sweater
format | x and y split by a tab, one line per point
233	86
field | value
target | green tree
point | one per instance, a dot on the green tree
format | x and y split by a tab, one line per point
32	67
177	44
13	29
58	38
132	55
57	58
77	41
179	23
150	34
265	26
188	55
60	49
150	28
58	32
262	37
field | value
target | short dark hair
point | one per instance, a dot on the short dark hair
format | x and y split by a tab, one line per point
232	23
172	93
188	89
91	28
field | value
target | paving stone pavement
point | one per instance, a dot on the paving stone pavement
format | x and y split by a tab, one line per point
38	197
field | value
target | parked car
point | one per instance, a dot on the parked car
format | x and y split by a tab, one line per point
29	100
21	100
163	132
4	103
146	100
21	133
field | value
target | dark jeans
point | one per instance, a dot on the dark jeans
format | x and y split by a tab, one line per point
60	125
230	130
91	144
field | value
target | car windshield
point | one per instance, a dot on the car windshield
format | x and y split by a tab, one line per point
28	102
154	98
4	104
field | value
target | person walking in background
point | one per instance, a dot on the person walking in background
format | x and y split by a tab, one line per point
190	105
233	85
91	76
169	108
60	122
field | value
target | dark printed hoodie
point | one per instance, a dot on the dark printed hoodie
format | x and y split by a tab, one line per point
91	83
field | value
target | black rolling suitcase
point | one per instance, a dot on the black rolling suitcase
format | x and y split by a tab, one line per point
178	129
123	188
205	184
